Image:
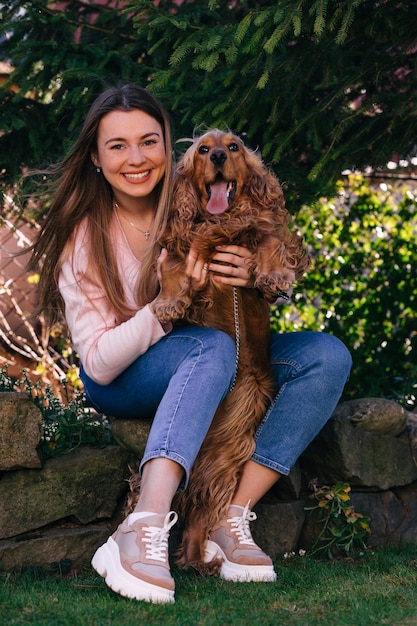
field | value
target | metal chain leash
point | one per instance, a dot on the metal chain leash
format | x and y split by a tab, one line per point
237	333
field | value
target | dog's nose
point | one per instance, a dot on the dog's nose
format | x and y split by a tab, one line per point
218	157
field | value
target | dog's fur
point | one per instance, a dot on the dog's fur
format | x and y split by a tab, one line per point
254	216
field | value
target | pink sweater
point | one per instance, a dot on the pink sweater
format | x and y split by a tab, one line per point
105	347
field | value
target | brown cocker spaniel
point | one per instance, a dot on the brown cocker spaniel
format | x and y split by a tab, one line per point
224	194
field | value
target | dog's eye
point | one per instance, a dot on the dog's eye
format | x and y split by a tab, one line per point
203	149
233	147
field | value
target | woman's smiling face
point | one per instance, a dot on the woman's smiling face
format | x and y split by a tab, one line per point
131	153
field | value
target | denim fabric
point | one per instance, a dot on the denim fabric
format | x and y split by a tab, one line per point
180	381
311	370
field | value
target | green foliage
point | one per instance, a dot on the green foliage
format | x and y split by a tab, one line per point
315	84
319	86
342	528
62	58
362	286
66	425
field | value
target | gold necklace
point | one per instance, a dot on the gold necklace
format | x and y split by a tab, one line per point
145	233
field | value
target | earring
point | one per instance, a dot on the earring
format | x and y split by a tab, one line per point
98	170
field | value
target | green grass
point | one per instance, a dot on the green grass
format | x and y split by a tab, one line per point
378	588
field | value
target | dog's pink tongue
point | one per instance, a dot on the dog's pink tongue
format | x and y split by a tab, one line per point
218	202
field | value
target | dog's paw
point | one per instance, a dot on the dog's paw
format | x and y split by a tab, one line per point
171	310
275	285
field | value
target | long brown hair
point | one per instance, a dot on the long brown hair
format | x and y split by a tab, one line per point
79	191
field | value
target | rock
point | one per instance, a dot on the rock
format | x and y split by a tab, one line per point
278	526
48	547
131	434
407	530
20	432
393	515
410	433
85	483
342	452
374	414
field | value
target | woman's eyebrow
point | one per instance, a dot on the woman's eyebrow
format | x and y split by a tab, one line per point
146	136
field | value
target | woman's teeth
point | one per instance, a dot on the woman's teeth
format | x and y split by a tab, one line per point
137	176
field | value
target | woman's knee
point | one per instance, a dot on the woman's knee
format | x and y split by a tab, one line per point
333	351
315	353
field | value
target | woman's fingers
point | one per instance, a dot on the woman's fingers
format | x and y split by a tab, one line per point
196	269
233	265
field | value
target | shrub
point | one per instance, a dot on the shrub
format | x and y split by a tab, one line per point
342	528
362	285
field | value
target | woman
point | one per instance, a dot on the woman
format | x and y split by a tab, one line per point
98	248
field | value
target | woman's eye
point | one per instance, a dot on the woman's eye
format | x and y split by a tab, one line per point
117	146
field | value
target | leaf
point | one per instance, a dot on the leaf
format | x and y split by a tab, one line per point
347	20
206	62
277	36
320	9
243	27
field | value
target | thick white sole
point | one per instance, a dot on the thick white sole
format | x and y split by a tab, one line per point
106	562
236	572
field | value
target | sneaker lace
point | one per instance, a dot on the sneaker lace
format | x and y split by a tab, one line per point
156	538
240	526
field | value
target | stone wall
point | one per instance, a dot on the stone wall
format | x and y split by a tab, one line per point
60	511
63	509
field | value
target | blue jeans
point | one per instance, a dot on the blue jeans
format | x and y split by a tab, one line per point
180	381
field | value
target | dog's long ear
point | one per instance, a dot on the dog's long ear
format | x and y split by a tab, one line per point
263	187
265	191
183	211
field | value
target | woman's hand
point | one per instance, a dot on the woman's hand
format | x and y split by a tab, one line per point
232	265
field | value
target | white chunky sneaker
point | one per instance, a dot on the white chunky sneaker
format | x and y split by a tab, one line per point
232	542
134	560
